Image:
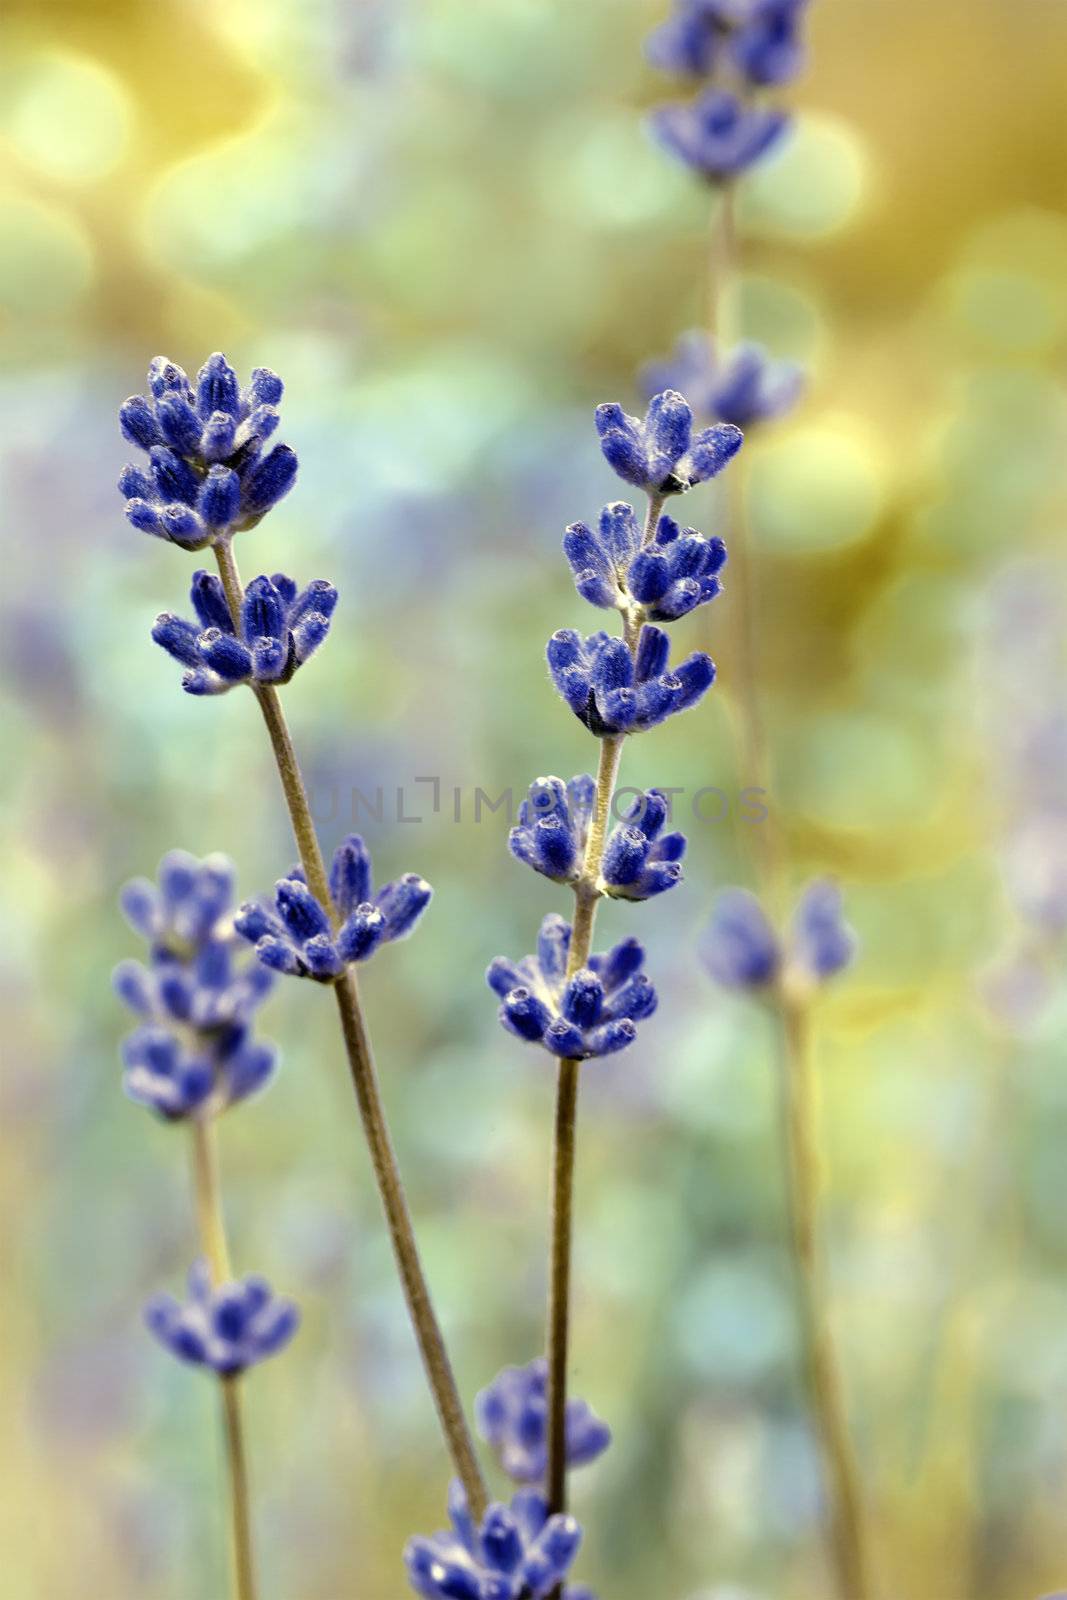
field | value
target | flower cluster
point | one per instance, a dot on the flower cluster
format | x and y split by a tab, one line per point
193	1051
518	1552
659	452
208	476
280	627
613	690
300	938
759	38
513	1417
594	1012
639	860
225	1329
717	134
722	133
741	949
742	386
676	571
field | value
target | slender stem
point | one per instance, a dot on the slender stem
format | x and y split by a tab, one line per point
368	1095
212	1231
209	1220
586	898
416	1290
244	1580
848	1533
722	265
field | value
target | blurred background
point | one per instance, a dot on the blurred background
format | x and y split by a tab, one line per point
445	225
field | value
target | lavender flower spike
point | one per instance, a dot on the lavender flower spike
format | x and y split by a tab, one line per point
227	1329
611	690
518	1551
741	949
280	629
640	860
298	938
207	475
593	1013
193	1052
676	571
660	453
718	135
744	385
513	1416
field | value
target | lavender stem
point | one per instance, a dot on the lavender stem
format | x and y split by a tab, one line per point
368	1094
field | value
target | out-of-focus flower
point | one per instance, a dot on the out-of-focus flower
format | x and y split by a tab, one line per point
612	691
743	386
208	477
718	135
519	1550
194	1051
660	452
300	939
640	860
512	1415
676	571
741	949
593	1013
761	38
227	1329
280	628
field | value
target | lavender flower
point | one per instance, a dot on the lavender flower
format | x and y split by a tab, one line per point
227	1329
660	453
612	691
593	1013
760	37
280	628
513	1417
301	939
661	581
193	1051
741	949
208	477
743	386
639	859
717	134
519	1551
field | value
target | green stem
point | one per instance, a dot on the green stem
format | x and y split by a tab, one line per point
368	1094
849	1543
212	1230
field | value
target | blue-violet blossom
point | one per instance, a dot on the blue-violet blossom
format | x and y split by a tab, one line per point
639	859
743	386
593	1013
761	38
227	1329
512	1416
208	477
518	1551
741	949
676	571
613	691
717	134
193	1052
280	628
301	939
660	452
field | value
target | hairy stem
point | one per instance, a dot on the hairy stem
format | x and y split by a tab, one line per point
212	1231
848	1533
368	1094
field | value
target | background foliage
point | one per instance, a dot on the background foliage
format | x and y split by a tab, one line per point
444	224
